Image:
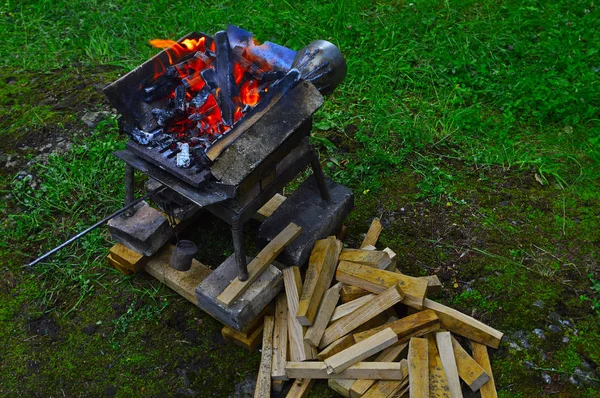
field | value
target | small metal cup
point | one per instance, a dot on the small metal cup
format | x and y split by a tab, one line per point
182	256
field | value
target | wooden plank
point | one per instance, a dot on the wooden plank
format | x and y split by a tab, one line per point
263	383
361	370
256	267
383	301
349	307
372	258
249	342
319	274
280	338
418	324
300	388
438	384
377	280
468	369
464	325
299	350
444	345
269	208
315	332
341	386
184	283
389	388
418	368
340	344
372	234
350	293
480	354
390	354
352	355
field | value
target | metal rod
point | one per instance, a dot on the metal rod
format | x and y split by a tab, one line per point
237	232
79	235
318	173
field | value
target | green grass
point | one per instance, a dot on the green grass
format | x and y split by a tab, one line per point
474	124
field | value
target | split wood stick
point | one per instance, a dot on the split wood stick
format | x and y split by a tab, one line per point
390	354
341	386
464	325
388	388
415	325
280	338
418	368
372	234
382	302
352	355
326	308
480	354
299	350
361	370
349	307
468	369
434	286
393	259
339	345
300	388
377	280
257	266
372	258
444	345
350	293
269	208
368	247
263	383
319	274
438	384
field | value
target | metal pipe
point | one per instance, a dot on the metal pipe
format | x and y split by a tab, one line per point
79	235
129	187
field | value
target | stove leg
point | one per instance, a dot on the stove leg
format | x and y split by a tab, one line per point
237	232
129	181
318	172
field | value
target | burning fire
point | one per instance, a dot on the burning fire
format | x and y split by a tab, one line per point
201	97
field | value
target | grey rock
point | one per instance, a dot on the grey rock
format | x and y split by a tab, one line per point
566	340
91	119
546	377
539	304
539	333
554	328
554	317
245	388
528	364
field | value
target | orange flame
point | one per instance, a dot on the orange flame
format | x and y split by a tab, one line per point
249	93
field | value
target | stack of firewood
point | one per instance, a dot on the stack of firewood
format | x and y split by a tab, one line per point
342	323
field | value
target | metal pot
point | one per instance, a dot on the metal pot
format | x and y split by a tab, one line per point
182	256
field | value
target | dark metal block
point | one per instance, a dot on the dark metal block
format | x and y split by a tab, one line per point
244	311
317	217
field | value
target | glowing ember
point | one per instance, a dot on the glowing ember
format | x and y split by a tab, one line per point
200	85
